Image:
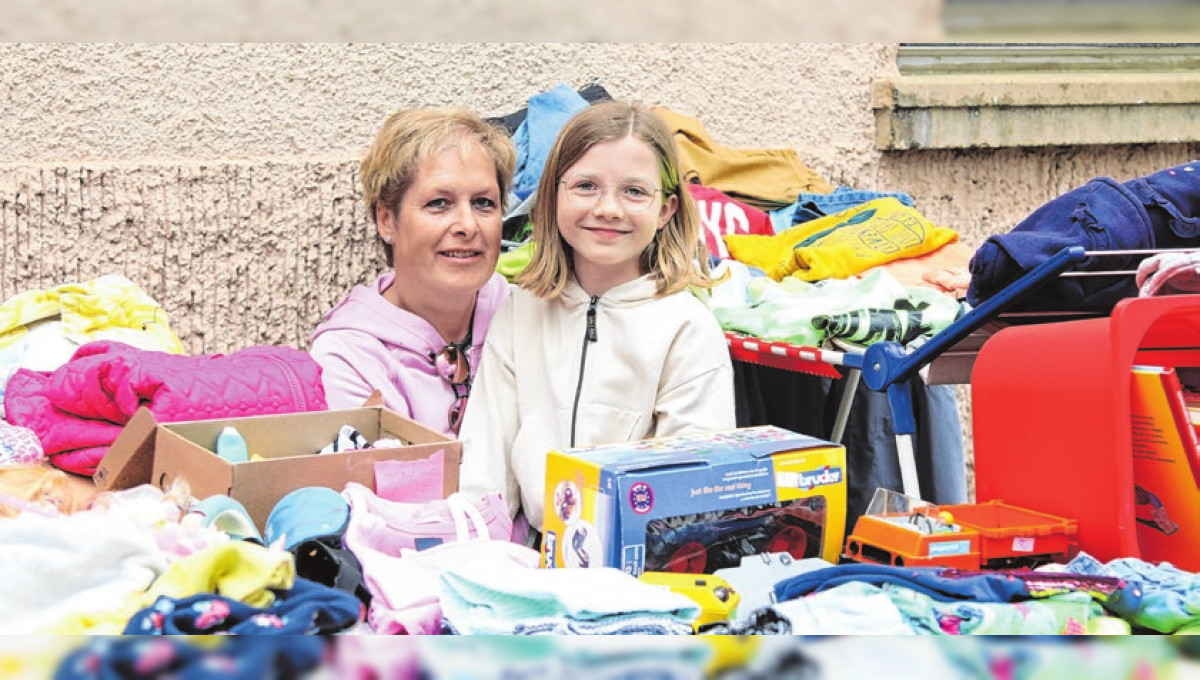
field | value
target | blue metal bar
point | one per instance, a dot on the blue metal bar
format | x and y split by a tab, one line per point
886	363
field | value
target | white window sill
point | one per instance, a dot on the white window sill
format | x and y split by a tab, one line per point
975	110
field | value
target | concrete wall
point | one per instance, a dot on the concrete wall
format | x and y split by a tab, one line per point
222	178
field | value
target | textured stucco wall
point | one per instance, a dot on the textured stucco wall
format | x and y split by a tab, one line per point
469	20
221	178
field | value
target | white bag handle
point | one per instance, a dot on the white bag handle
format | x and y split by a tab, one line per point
463	510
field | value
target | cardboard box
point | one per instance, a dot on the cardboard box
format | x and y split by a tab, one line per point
694	503
148	452
1166	468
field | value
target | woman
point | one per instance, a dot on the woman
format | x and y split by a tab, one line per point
434	182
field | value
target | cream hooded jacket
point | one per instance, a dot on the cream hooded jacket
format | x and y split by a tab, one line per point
584	371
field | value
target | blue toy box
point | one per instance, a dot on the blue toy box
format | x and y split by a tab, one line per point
694	503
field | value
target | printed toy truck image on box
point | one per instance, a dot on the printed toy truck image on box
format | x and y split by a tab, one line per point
694	504
704	542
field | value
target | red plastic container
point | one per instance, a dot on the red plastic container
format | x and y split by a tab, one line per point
1050	406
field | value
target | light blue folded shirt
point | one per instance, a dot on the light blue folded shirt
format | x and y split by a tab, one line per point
547	113
489	601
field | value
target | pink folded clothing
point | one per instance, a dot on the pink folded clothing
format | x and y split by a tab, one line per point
405	547
406	592
391	527
77	410
1169	274
19	445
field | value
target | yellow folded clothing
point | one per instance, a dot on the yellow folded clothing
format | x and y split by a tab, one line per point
108	307
842	244
239	570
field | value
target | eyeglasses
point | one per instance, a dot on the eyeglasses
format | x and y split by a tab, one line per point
451	363
634	197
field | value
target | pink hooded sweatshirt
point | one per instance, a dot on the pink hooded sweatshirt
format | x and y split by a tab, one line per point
366	343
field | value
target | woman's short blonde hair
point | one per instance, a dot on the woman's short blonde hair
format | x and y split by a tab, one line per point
675	259
410	137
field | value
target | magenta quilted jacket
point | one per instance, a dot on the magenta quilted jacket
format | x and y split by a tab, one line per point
78	409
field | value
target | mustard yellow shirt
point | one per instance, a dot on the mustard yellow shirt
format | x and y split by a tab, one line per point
842	244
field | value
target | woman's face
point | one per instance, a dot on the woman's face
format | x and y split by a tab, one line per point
445	233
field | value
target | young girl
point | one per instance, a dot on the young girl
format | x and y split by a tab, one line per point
602	343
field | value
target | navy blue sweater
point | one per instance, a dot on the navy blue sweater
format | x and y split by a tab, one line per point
1161	210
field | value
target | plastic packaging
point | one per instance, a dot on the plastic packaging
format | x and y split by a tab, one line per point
232	446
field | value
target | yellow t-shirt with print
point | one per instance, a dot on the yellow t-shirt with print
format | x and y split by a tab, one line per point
842	244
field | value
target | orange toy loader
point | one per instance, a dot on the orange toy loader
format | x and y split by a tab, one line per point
904	531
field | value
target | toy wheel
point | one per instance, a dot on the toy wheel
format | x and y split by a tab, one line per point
790	539
689	558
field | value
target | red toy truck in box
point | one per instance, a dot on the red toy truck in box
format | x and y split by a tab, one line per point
905	531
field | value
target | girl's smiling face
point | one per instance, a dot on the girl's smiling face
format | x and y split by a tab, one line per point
609	208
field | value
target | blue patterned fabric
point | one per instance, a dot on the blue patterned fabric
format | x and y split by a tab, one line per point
308	608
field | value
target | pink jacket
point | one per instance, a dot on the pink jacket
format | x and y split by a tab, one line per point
366	343
78	409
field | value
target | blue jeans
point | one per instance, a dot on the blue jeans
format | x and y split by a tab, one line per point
811	206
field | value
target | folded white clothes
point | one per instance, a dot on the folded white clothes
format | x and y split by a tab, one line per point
59	567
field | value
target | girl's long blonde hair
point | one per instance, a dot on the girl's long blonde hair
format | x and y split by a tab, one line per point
675	259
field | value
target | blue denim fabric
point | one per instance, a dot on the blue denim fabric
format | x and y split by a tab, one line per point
781	220
1170	598
1160	210
548	112
811	206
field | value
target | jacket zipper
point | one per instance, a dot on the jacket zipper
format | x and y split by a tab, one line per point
293	383
588	336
